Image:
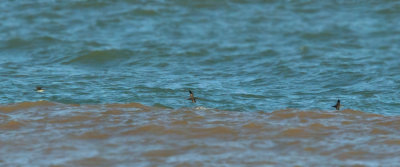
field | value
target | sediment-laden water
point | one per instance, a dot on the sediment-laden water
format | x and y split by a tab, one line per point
52	134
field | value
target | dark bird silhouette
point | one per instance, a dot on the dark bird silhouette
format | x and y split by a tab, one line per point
192	97
337	106
39	89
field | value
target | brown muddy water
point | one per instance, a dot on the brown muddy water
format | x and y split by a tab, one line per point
52	134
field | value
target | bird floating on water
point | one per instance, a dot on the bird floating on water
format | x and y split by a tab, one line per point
337	106
192	97
39	89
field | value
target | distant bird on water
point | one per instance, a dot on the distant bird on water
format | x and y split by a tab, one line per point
192	97
337	106
39	89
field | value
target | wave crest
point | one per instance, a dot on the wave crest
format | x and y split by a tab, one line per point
101	58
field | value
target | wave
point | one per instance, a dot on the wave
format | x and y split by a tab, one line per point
26	43
116	108
299	123
331	135
101	58
25	105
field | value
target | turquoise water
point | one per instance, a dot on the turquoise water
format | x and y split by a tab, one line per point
116	76
235	55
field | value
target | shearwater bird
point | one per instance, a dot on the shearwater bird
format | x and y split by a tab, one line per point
192	97
337	106
39	89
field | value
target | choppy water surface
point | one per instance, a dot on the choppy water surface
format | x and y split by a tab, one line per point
45	133
117	75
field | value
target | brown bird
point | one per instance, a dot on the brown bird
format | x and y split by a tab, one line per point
192	97
39	89
337	106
